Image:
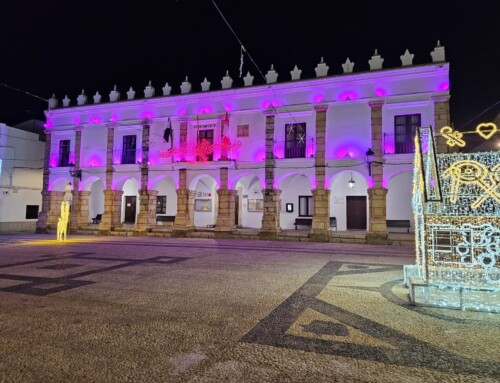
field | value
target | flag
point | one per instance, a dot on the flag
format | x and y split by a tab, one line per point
168	133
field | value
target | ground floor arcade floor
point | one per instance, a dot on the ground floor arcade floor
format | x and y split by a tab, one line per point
190	201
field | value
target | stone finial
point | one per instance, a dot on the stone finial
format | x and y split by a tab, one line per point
131	94
438	53
186	86
227	81
53	102
272	75
295	73
376	61
248	79
205	85
321	69
407	58
167	89
348	66
66	101
81	99
97	98
149	91
114	95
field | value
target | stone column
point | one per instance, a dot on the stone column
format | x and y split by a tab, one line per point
146	218
442	118
377	230
74	218
41	224
184	220
321	196
56	198
226	216
183	125
271	216
111	217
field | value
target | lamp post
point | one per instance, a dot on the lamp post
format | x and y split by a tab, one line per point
74	172
369	159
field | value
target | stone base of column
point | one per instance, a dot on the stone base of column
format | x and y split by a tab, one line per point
48	219
377	233
271	216
184	220
146	219
112	212
321	216
226	216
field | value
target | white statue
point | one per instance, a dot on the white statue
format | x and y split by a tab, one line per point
68	193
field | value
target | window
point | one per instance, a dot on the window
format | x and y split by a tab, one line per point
64	153
207	134
305	206
295	140
161	204
255	205
242	130
405	127
128	149
31	211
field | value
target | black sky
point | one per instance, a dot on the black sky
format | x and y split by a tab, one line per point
63	47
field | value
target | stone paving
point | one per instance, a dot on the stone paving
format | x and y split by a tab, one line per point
111	309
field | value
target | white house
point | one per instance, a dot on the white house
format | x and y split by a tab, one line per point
278	156
21	170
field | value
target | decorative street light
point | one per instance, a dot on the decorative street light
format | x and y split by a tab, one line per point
351	182
74	172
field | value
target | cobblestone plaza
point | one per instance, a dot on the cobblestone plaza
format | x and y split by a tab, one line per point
111	309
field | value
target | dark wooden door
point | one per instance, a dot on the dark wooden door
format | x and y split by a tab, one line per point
130	202
356	212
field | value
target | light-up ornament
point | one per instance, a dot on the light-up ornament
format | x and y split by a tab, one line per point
453	137
486	130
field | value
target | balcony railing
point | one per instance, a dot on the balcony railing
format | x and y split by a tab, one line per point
398	144
283	149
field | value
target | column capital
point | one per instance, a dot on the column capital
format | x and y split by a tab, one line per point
376	104
111	125
47	131
441	98
147	121
183	119
78	128
271	111
321	107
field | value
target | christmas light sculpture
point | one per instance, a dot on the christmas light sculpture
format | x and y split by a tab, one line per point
456	203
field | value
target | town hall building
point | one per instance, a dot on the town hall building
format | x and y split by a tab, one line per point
334	152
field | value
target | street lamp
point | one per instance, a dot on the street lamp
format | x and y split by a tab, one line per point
369	159
74	172
351	182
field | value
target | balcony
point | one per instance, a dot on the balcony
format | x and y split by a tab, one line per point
398	144
306	149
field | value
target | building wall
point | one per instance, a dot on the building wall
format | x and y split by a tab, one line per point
21	163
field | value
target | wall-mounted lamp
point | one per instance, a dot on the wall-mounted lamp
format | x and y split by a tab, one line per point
369	159
74	172
351	182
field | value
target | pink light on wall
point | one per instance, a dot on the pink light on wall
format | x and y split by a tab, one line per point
95	120
48	124
113	118
228	108
318	98
181	112
444	86
259	155
77	121
348	96
380	92
205	110
147	115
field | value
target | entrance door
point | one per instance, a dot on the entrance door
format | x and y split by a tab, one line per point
236	208
356	212
130	202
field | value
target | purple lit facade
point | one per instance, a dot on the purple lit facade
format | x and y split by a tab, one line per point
103	135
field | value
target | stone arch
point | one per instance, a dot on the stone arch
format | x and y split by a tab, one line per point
96	198
292	186
130	188
339	186
166	187
399	196
205	200
250	200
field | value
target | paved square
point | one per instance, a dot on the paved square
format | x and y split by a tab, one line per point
106	309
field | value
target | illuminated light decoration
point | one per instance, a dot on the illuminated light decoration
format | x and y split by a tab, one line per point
453	137
348	96
379	92
200	152
486	130
95	120
444	86
456	204
319	98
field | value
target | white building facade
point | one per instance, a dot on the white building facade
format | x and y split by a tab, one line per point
21	170
260	157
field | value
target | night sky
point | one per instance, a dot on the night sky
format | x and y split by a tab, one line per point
63	47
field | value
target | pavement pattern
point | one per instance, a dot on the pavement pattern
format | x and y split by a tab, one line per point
110	309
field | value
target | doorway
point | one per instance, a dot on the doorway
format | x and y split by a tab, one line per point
356	212
236	209
130	202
